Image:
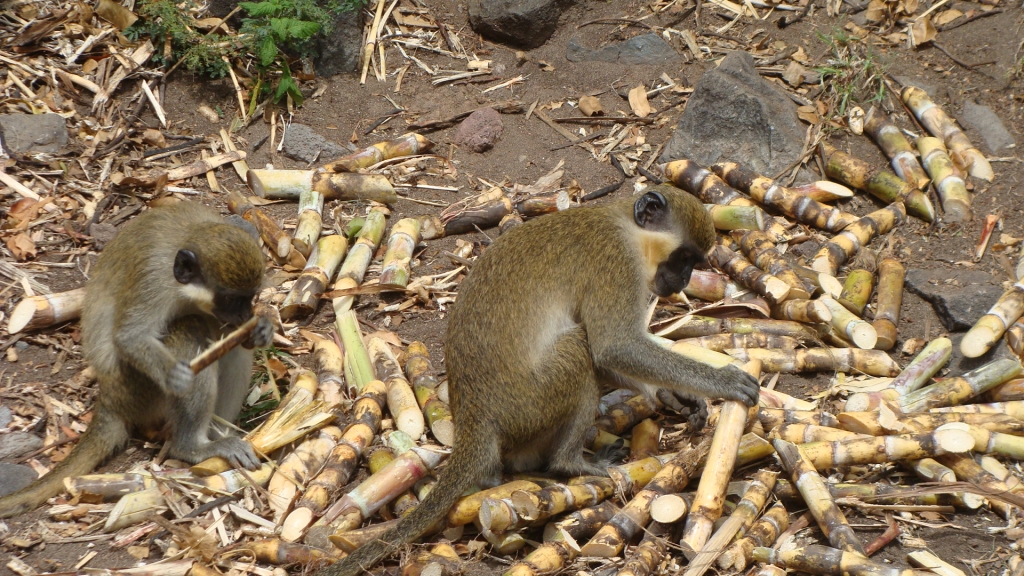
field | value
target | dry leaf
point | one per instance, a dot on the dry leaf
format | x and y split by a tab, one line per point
896	38
638	101
912	346
856	120
876	11
21	246
947	16
154	137
591	106
808	114
910	6
209	113
923	31
794	74
800	56
116	14
139	552
545	66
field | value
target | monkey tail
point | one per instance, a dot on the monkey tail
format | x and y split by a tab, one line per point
105	434
470	461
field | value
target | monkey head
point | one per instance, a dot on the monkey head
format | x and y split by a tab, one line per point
221	272
677	215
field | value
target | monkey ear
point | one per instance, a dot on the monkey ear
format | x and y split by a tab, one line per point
186	266
647	208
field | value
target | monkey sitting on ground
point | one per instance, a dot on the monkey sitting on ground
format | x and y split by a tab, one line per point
550	313
173	281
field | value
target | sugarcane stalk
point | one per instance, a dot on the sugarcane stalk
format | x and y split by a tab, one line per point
877	493
870	362
358	367
896	147
406	412
804	433
873	423
344	186
553	500
135	507
703	184
353	269
955	390
297	467
773	289
988	441
760	250
670	508
823	282
949	184
857	291
991	327
467	509
928	361
633	476
280	553
878	182
483	211
809	311
420	373
936	121
967	470
277	240
112	486
798	206
560	538
354	539
647	556
408	144
990	465
323	262
405	234
880	449
695	326
1010	390
824	191
1015	338
861	333
1014	408
720	342
329	366
737	217
621	417
781	400
817	497
772	418
645	439
234	480
310	221
218	349
710	286
844	245
46	310
826	561
932	563
890	297
764	532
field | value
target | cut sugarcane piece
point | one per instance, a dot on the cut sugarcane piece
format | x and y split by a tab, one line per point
764	532
809	311
968	470
353	269
824	191
310	221
760	250
710	286
952	189
936	121
329	365
896	147
861	333
878	182
772	418
929	561
467	509
344	186
543	204
988	441
1010	390
844	245
46	310
931	470
218	349
952	391
874	424
276	239
405	145
405	234
560	538
737	217
703	184
804	433
323	262
553	500
879	449
477	212
870	362
696	326
823	281
928	361
648	555
991	327
720	342
800	207
1014	408
671	508
135	507
875	493
633	476
1014	338
765	284
420	372
358	368
280	553
645	439
233	480
406	412
297	467
780	400
817	497
112	486
827	561
890	297
857	291
622	416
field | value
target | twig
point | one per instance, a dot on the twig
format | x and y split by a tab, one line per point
223	346
616	21
593	136
175	148
889	535
954	58
977	16
787	20
599	119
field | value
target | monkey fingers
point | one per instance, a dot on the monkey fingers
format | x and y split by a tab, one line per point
179	379
236	451
694	408
742	387
611	454
263	335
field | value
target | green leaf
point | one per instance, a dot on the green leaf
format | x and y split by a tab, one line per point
301	29
287	85
267	52
261	9
280	28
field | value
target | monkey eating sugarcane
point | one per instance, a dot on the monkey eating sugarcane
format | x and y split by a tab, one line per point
170	283
551	312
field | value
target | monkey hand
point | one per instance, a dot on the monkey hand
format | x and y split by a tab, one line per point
735	384
179	379
695	408
236	451
262	335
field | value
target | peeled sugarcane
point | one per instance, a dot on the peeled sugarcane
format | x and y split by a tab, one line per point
772	418
861	333
875	424
765	284
323	262
405	234
800	207
955	390
710	286
553	500
952	189
896	147
967	470
823	282
743	516
695	326
870	362
703	184
419	371
344	186
760	250
804	433
824	191
406	412
647	556
633	476
990	442
857	291
280	553
560	546
135	507
936	121
764	532
233	480
310	221
826	561
46	310
817	497
673	477
780	400
623	416
890	297
844	245
277	240
405	145
878	182
810	311
737	217
670	508
928	361
719	342
297	467
353	269
991	327
340	464
880	449
1013	408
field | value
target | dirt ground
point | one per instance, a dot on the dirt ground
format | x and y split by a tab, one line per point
524	153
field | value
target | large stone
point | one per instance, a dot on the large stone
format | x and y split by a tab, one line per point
17	443
959	297
14	477
519	23
479	131
645	49
33	133
338	49
302	143
735	115
5	416
987	123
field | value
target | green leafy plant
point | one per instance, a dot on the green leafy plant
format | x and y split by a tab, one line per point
165	19
851	72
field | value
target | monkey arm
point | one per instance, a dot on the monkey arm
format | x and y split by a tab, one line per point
148	354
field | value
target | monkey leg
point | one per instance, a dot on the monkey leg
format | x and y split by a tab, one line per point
234	373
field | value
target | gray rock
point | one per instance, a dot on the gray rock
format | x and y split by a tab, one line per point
338	49
734	115
958	363
302	143
479	131
960	303
17	443
14	477
5	416
991	128
520	23
645	49
33	133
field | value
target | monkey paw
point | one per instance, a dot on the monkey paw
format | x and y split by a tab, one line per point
236	451
263	334
611	454
741	386
693	407
179	380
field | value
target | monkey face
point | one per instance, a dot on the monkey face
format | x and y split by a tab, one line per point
232	308
673	274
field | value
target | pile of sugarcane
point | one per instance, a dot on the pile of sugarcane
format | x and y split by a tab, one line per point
369	401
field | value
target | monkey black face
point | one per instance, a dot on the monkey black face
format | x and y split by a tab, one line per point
232	307
674	273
